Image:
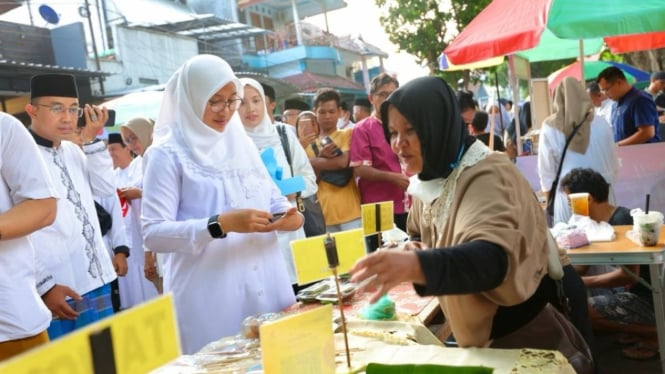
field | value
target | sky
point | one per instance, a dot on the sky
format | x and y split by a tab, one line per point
362	17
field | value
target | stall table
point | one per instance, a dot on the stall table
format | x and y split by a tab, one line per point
623	251
407	304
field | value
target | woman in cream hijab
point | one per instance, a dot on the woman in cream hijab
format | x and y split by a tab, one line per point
254	116
208	202
592	146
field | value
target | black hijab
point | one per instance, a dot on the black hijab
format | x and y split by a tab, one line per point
430	105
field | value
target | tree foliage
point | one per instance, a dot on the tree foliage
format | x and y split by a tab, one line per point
424	28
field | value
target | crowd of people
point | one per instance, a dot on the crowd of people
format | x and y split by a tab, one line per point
185	204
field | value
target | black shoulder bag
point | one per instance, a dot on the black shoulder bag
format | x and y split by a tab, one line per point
555	183
309	206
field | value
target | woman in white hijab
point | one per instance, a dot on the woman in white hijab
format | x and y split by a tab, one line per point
256	120
208	202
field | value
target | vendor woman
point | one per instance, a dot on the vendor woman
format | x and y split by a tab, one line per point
488	261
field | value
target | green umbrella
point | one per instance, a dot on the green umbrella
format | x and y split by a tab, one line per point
582	19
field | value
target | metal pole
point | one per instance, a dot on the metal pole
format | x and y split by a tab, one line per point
513	82
296	22
32	23
94	46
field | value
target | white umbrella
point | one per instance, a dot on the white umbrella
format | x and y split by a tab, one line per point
136	104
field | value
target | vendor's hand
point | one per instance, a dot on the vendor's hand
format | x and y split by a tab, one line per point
55	300
245	220
120	264
329	151
414	245
95	118
401	181
150	266
291	220
391	268
131	193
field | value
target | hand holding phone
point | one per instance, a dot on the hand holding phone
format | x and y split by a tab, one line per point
276	216
327	140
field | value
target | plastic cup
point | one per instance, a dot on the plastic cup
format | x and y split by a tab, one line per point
579	203
647	226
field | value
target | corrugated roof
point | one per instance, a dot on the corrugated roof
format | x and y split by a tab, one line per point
7	5
175	17
310	82
306	8
282	87
18	68
358	45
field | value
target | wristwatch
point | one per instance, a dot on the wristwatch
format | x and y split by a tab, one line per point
215	228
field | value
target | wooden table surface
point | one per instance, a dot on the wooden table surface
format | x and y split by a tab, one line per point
619	251
621	243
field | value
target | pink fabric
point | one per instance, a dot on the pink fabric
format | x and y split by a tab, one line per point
370	148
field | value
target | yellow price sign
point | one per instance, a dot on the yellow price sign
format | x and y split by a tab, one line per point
309	255
377	217
134	341
300	343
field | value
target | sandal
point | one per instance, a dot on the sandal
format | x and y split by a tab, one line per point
640	351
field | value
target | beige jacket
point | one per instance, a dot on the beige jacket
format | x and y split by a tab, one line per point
492	201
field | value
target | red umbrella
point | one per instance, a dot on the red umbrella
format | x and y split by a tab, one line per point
503	27
636	42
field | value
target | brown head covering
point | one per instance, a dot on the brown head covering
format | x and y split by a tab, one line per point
142	127
572	106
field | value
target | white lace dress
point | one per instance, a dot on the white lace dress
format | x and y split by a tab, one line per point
216	283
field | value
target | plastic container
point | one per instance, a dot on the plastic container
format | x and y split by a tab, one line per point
646	227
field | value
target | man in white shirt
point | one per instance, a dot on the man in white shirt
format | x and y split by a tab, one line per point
27	203
602	105
72	250
344	121
656	84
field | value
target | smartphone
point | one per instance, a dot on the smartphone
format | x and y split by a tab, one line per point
326	140
276	216
306	125
109	122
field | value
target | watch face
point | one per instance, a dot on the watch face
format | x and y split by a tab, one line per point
215	229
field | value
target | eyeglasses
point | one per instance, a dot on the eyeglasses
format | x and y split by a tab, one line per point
218	106
131	139
58	109
604	90
382	95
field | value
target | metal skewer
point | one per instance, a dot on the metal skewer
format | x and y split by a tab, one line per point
333	263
